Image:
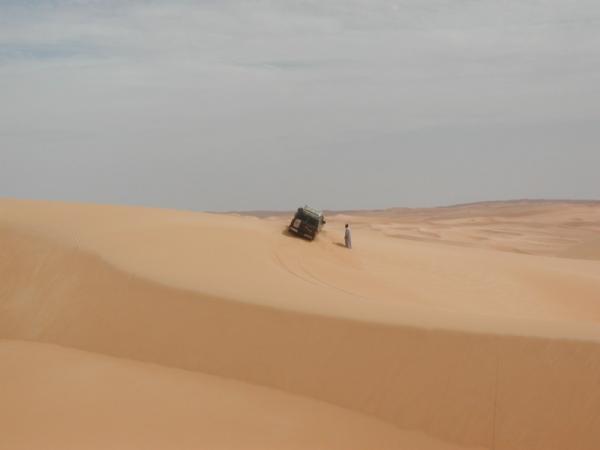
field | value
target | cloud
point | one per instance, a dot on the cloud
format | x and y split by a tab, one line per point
259	89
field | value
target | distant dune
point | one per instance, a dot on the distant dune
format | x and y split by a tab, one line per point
476	326
589	249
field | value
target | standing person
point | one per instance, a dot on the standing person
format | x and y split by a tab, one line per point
348	237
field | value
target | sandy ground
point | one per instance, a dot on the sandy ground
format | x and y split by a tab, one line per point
475	326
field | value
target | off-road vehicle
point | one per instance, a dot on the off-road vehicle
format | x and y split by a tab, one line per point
307	222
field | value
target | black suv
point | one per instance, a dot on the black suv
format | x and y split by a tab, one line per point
307	222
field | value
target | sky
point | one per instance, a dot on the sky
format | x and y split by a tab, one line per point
270	104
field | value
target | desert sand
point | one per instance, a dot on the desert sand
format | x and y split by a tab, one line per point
475	326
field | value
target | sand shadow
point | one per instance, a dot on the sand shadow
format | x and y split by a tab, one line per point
339	244
286	232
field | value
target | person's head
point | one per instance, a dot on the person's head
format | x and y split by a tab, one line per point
346	225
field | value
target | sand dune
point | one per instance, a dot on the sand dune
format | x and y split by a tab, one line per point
424	336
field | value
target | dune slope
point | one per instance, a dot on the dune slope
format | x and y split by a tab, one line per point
64	399
472	346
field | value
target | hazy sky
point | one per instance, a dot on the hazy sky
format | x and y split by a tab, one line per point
248	104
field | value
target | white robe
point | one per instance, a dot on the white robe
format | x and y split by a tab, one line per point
348	238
